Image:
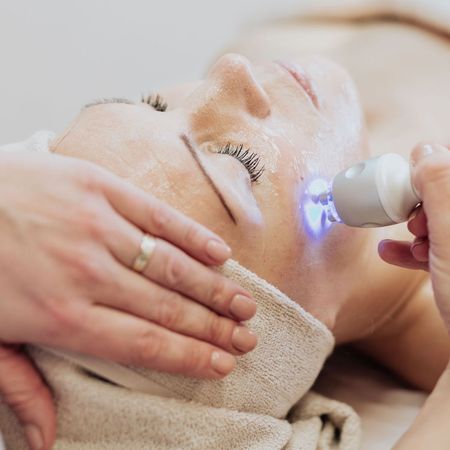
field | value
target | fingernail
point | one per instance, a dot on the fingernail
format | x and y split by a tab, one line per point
219	251
420	152
413	214
222	362
243	339
417	242
242	307
424	150
34	437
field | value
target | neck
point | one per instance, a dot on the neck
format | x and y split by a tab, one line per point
334	275
351	290
378	291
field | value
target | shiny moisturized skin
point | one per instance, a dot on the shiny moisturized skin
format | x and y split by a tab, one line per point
304	121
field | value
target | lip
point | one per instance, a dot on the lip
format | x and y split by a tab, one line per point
302	79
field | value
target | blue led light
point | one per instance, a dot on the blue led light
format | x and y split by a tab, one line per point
314	213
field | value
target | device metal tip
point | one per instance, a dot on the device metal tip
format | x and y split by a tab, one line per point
321	197
325	198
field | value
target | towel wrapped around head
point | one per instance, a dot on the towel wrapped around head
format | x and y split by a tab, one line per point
265	403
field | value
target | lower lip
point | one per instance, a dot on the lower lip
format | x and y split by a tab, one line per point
301	79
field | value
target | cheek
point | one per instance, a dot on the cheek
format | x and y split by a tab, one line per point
233	181
348	132
280	240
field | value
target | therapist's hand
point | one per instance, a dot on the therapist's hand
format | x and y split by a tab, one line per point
69	233
430	251
430	223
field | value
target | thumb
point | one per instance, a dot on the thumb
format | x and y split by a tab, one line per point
24	391
431	178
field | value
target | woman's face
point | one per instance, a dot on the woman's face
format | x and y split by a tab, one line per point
298	122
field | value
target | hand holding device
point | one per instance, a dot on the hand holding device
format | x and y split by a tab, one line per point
430	250
372	193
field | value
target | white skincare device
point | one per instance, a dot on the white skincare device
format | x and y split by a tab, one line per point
373	193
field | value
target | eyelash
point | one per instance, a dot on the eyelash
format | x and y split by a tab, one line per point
155	101
250	160
104	101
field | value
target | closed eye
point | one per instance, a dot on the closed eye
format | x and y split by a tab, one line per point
250	160
156	101
103	101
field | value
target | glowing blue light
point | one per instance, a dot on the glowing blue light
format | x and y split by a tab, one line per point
314	213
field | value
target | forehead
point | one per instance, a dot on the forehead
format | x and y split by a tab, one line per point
129	139
145	148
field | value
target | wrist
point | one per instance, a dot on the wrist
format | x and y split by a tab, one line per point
430	428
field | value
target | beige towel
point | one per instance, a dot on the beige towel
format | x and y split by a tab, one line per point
264	404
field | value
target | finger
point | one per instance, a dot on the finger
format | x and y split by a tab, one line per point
120	337
420	249
399	253
24	391
431	177
140	297
173	269
159	219
417	224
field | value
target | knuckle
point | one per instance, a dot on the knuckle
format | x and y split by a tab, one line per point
219	330
193	233
90	177
21	399
175	270
170	312
194	361
93	222
217	296
91	270
160	218
148	348
62	319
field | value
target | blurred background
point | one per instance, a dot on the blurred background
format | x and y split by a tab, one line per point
58	55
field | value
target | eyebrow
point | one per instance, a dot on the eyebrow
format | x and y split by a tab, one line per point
194	155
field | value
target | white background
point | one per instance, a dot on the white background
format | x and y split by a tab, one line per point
57	55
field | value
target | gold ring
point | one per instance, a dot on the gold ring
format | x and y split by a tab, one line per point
147	247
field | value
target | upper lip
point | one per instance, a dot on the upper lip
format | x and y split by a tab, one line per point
302	79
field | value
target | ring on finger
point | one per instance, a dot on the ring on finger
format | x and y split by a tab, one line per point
147	247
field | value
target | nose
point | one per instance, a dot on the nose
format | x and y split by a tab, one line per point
238	85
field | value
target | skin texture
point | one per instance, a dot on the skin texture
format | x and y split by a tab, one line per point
405	101
264	108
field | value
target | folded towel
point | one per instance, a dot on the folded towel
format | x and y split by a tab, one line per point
265	403
38	142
